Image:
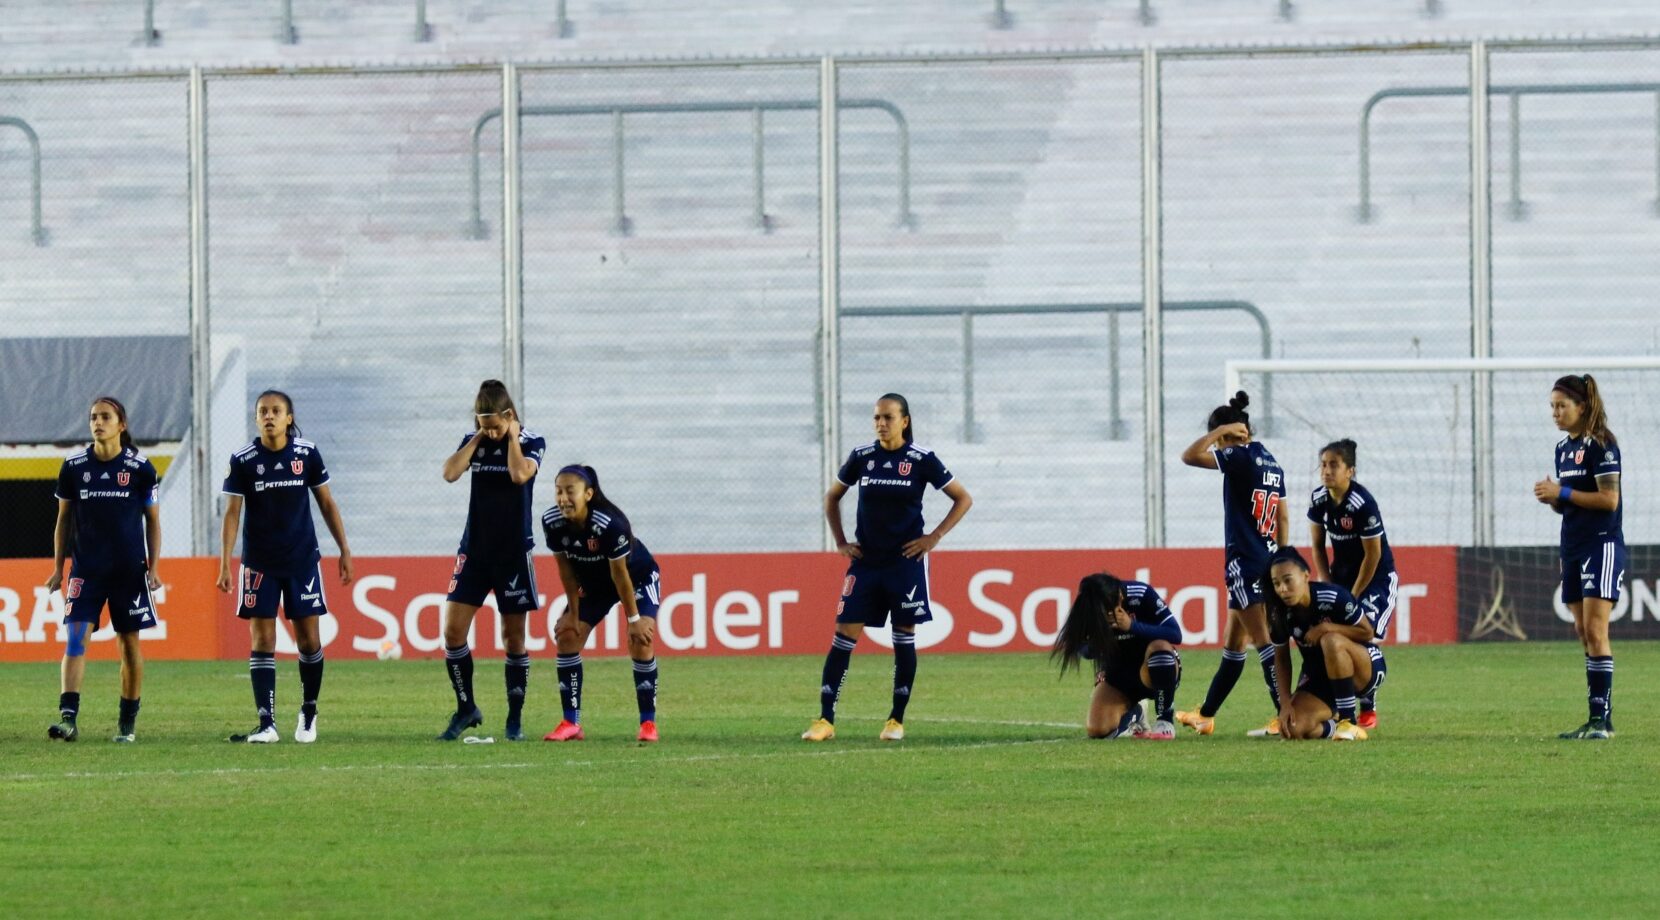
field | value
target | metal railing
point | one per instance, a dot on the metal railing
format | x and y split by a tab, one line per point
621	223
1000	17
562	26
149	36
286	33
1117	429
423	31
1517	207
37	232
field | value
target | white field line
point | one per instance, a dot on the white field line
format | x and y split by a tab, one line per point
440	767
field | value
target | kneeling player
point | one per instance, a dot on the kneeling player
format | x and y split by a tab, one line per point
1335	640
1132	637
602	566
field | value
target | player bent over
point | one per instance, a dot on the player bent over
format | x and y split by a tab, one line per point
1131	635
1339	657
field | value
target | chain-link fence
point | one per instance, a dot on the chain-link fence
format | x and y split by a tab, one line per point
686	296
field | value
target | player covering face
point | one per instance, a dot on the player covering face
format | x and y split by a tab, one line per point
107	499
1130	634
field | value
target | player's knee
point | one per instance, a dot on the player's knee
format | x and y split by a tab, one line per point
76	645
1333	645
566	636
639	647
1159	645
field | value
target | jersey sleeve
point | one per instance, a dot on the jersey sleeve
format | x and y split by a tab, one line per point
935	472
152	484
236	480
550	534
1344	609
1230	460
316	471
535	448
848	475
1371	519
1609	463
1315	514
1279	625
1154	619
65	489
618	538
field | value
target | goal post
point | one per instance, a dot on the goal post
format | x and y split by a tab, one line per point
1452	446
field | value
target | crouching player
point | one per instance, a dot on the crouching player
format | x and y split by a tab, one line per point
1336	642
1125	627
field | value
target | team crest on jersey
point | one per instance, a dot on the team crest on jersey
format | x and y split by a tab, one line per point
298	466
1579	455
904	468
86	477
1348	523
74	589
259	469
123	478
870	464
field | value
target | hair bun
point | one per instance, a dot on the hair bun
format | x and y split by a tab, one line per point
1240	400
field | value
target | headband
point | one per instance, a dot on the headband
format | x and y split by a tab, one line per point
578	471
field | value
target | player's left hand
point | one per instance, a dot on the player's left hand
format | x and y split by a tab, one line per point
152	580
1546	490
920	546
640	631
512	427
346	568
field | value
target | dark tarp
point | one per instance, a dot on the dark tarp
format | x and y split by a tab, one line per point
47	385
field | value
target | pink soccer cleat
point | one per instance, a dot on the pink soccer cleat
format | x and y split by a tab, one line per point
566	730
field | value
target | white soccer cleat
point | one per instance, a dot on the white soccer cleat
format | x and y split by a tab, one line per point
306	731
266	735
1161	731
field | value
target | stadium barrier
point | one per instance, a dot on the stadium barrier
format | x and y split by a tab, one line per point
1514	593
716	604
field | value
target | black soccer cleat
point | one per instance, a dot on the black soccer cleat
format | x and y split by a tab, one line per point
63	731
460	722
514	732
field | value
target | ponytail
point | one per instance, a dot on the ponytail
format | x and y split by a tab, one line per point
120	414
1582	389
904	409
293	424
1231	413
1086	627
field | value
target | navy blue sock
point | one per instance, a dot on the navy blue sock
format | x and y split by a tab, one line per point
645	689
311	681
1265	656
518	682
1227	674
458	662
1343	690
570	686
904	673
835	672
1599	682
69	706
1161	667
129	715
262	672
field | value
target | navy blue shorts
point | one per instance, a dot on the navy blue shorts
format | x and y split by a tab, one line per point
872	593
299	595
125	593
1378	602
595	605
1320	685
1126	679
511	577
1245	587
1598	573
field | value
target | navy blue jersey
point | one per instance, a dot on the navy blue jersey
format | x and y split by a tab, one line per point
891	484
499	511
108	498
275	485
592	546
1253	485
1328	603
1150	619
1356	518
1579	461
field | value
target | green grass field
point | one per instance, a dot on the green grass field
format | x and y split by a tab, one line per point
1463	804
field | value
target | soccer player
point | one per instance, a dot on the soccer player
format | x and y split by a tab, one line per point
602	565
1256	520
1339	656
276	476
107	493
1125	627
1345	511
494	555
888	574
1587	495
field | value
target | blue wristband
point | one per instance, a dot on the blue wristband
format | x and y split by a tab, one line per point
1562	496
